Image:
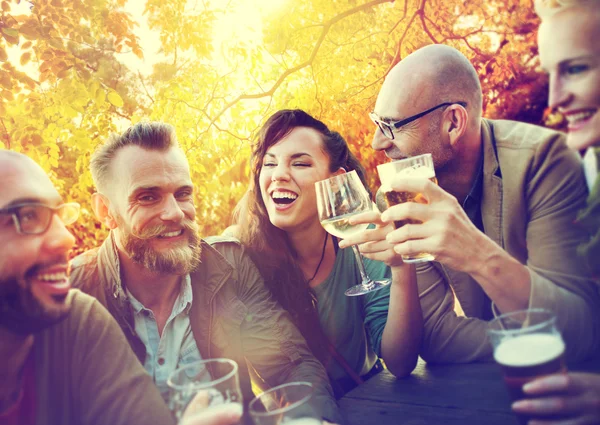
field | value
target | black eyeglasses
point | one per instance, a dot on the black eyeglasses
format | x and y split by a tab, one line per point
34	219
388	128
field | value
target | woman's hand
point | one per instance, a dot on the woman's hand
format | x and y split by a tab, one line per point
575	397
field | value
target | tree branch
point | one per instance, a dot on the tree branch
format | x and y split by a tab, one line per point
326	27
144	86
6	134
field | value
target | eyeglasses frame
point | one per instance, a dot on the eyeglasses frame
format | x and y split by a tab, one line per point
12	211
395	125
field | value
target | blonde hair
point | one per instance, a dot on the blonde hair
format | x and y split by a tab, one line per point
547	8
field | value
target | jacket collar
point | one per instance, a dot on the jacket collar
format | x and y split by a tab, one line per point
110	269
209	276
491	200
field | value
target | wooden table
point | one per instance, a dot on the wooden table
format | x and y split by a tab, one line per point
438	394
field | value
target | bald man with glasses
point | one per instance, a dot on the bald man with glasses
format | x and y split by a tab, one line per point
500	223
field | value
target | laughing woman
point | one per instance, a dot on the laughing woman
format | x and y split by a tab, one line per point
570	53
305	269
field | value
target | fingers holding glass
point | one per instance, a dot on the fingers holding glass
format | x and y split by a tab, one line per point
417	172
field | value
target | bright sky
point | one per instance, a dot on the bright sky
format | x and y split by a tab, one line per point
242	19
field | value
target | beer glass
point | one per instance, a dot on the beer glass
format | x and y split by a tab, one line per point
287	404
339	198
416	167
527	345
196	388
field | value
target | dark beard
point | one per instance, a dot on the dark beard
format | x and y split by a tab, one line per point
21	312
179	261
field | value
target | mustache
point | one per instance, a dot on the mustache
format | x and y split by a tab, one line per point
59	260
154	231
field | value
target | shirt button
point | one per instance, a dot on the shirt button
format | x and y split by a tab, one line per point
161	361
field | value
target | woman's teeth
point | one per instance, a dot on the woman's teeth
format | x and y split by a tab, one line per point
284	197
580	116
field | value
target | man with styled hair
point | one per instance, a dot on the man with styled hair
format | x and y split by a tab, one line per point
500	223
178	298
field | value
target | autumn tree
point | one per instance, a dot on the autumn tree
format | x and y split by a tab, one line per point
65	84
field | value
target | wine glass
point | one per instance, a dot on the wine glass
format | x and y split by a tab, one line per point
198	387
338	199
287	404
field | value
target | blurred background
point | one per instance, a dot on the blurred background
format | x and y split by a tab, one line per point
73	71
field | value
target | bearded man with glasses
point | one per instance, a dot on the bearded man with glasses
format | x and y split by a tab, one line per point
63	359
500	223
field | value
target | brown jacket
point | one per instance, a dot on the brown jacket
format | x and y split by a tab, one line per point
86	374
233	315
533	186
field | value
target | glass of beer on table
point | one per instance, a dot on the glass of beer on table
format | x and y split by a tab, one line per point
197	389
415	167
527	345
287	404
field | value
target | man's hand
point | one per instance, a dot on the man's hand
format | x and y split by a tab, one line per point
372	243
445	232
575	396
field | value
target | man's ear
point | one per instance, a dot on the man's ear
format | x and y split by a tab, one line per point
101	206
456	122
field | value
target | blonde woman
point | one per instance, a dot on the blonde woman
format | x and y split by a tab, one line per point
569	47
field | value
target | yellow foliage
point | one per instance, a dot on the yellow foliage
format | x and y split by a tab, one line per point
224	68
115	99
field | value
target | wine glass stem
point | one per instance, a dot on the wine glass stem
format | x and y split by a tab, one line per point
361	267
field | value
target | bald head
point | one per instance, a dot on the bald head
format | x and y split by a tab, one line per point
547	8
23	180
432	75
13	164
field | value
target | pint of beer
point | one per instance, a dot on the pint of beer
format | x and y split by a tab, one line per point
527	345
416	167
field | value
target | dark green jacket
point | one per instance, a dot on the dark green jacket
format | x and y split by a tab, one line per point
233	315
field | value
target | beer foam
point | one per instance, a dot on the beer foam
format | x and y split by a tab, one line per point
417	172
529	350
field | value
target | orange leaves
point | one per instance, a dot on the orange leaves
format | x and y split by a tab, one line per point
11	35
5	80
25	58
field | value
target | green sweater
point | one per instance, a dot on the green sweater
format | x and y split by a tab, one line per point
354	325
86	373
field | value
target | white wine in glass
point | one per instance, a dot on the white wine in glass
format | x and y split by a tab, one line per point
338	199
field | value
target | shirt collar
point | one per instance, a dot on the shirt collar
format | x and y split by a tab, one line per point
474	196
591	161
183	301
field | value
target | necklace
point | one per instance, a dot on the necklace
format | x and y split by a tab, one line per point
321	260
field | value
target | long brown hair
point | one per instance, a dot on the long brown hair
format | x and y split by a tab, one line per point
269	246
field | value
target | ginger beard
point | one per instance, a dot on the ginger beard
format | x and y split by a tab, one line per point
24	309
179	260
